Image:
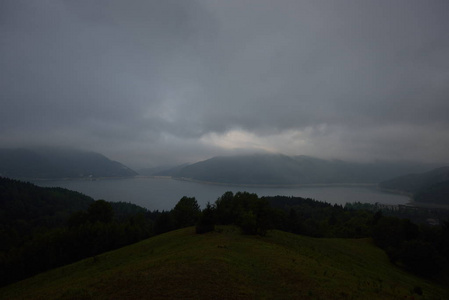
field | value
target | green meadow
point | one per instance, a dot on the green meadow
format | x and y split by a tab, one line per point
225	264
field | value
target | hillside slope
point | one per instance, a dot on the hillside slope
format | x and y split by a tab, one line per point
278	169
228	265
58	163
23	205
45	227
428	187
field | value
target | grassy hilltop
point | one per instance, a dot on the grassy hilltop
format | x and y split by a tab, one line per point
227	265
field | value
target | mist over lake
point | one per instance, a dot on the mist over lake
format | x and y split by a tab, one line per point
163	194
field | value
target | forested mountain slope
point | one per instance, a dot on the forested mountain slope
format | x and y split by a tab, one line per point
278	169
58	163
42	228
428	187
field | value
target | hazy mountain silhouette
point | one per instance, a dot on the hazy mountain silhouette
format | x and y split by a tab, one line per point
288	170
58	163
430	187
159	170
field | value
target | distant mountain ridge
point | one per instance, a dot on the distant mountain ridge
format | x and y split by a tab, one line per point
52	163
155	171
428	187
279	169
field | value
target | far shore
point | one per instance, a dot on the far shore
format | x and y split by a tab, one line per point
410	203
399	192
271	185
76	178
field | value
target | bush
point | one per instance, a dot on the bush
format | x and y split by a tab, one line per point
420	258
247	222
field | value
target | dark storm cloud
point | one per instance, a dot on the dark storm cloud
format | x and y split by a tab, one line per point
157	81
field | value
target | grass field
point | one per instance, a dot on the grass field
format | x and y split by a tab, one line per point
227	265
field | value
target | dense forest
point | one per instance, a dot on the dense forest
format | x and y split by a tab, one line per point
42	228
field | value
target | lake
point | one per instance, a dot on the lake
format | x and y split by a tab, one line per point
164	193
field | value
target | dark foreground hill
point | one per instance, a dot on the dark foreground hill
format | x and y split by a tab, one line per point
227	265
42	228
277	169
428	187
24	205
48	163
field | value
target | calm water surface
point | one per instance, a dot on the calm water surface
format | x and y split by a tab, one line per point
163	194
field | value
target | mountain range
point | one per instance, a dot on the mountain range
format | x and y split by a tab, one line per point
278	169
429	187
249	169
48	163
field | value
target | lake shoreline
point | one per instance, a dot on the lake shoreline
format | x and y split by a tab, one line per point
162	193
270	185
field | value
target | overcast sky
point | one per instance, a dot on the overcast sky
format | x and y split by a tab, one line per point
156	82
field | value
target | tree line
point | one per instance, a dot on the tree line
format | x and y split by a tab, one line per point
43	228
419	248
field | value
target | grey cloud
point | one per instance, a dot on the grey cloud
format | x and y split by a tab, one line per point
146	81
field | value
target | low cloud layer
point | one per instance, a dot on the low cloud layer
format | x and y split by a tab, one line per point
160	82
